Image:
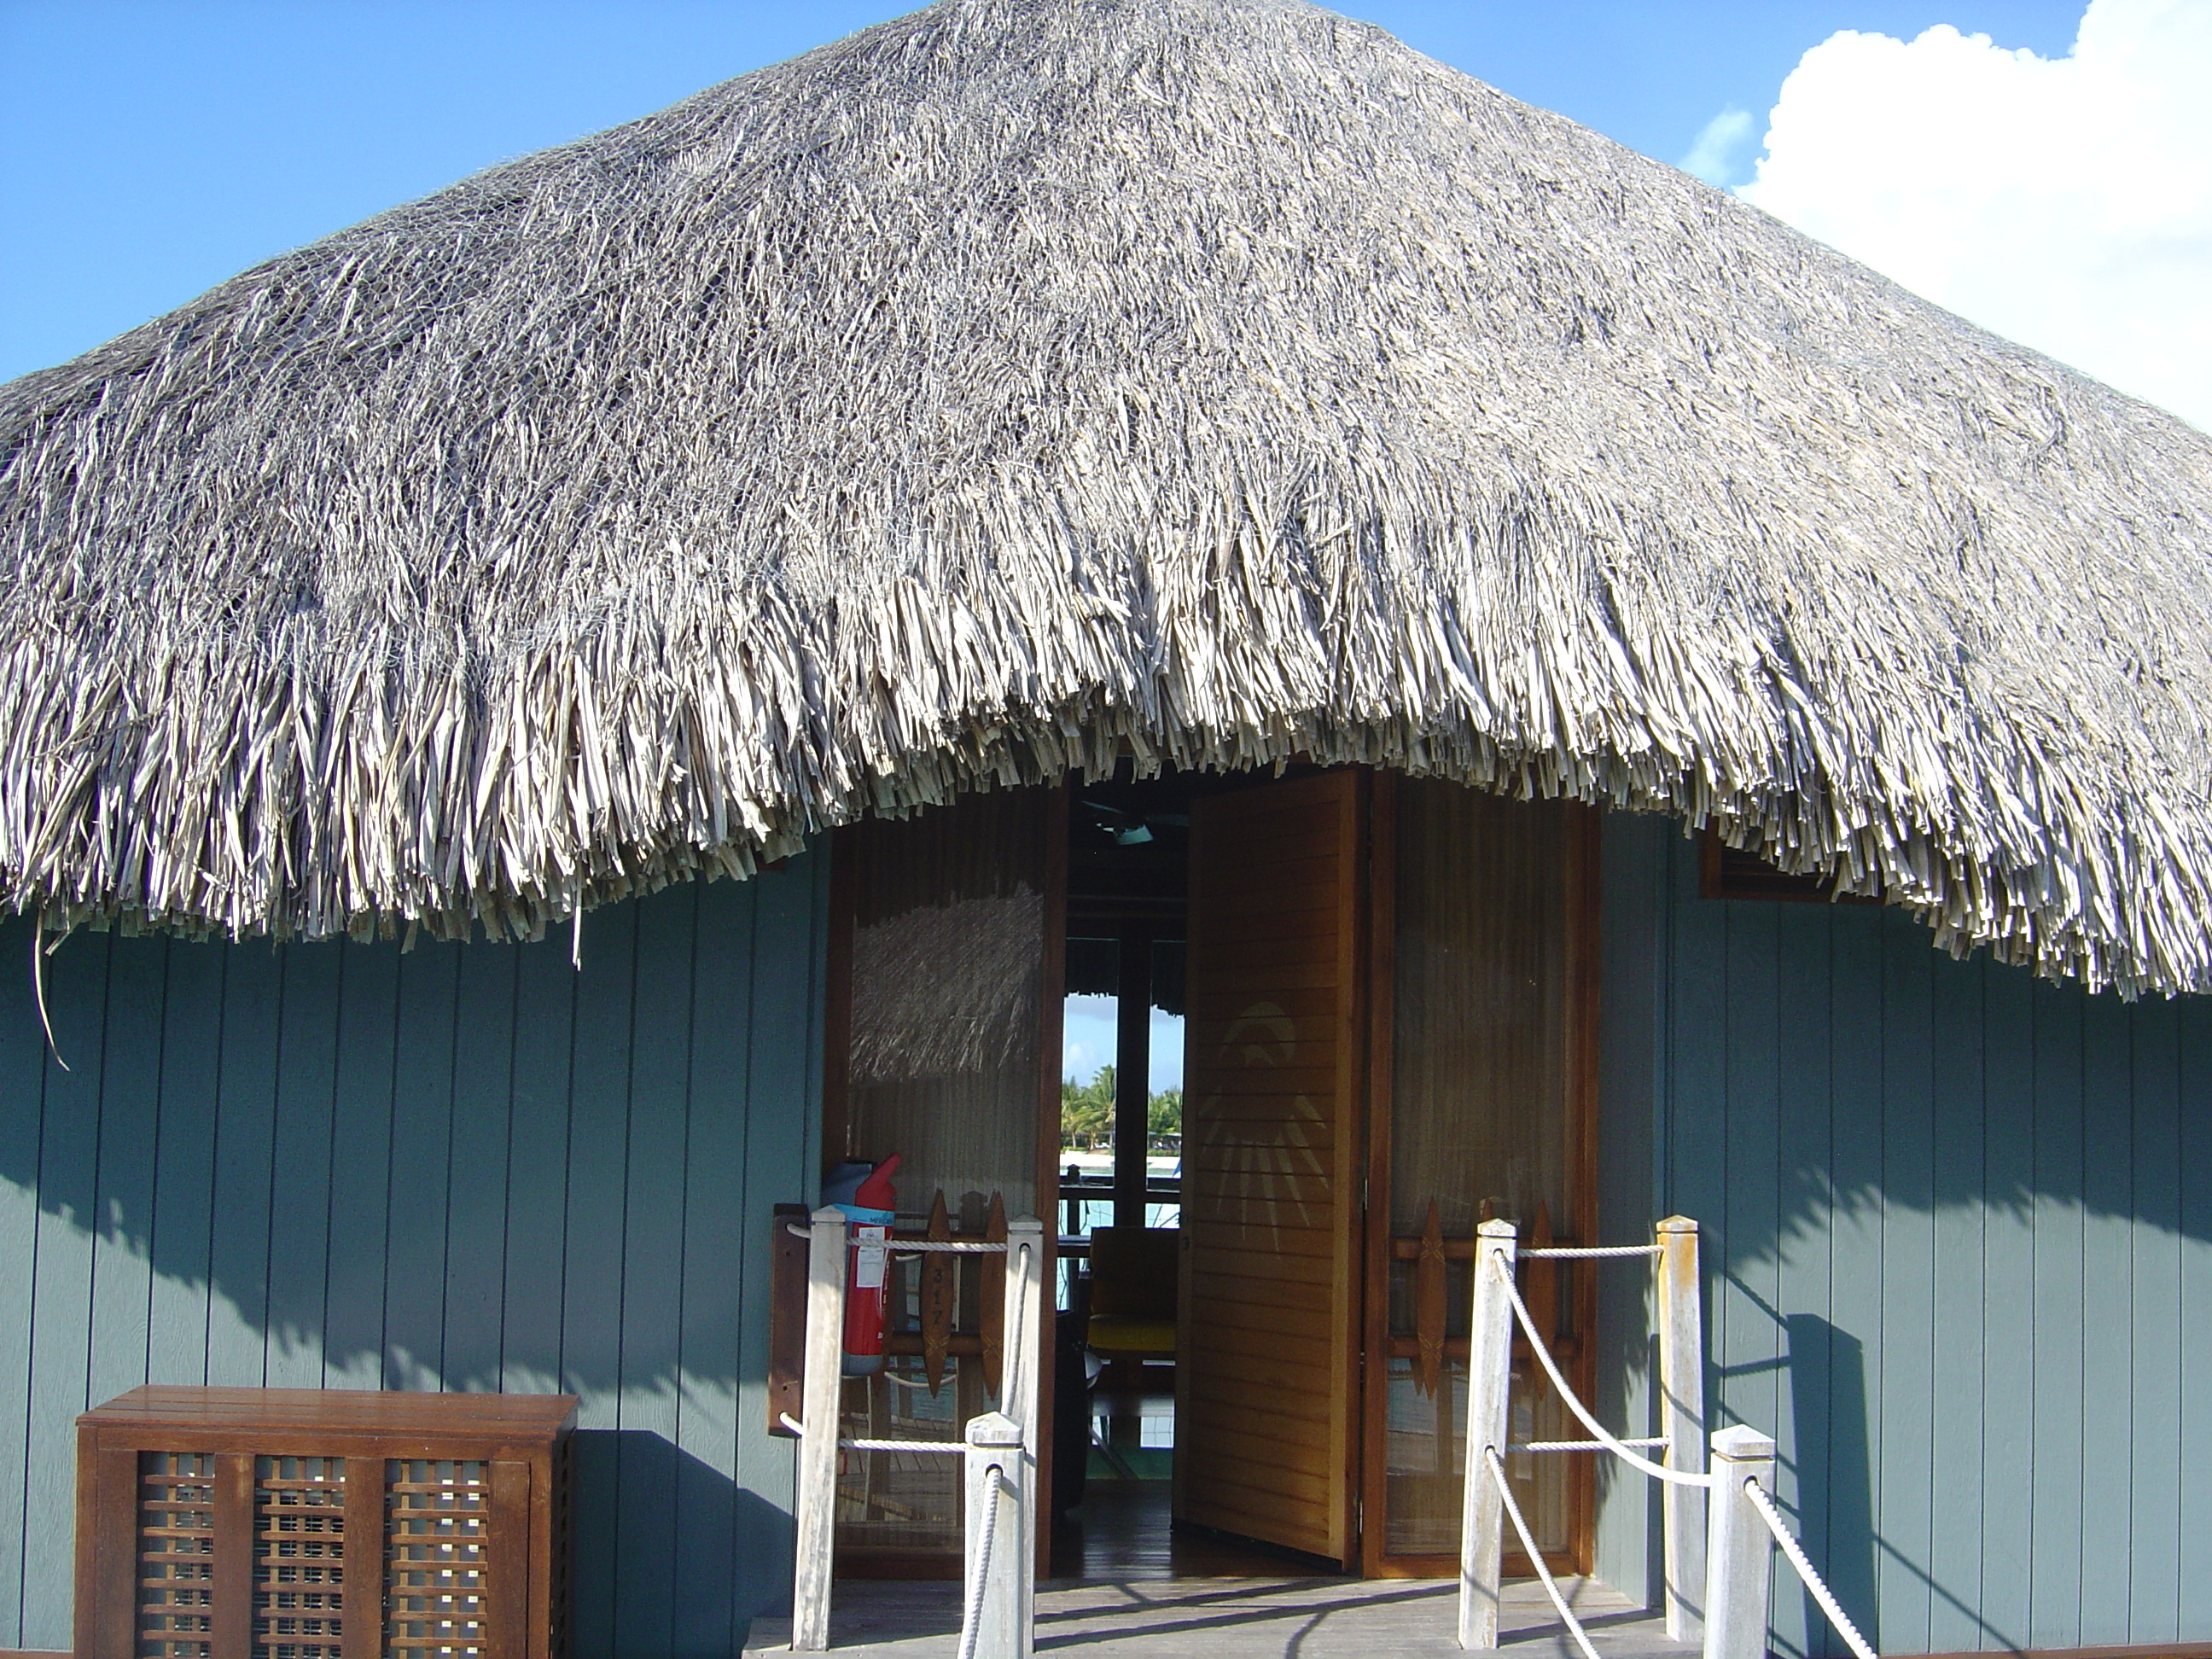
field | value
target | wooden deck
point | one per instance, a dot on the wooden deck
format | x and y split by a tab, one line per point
1235	1619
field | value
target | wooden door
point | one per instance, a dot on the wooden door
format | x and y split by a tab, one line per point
1267	1369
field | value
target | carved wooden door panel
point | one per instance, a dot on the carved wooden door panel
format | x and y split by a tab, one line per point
1266	1372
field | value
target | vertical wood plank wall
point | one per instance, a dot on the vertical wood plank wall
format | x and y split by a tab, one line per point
464	1167
1957	1227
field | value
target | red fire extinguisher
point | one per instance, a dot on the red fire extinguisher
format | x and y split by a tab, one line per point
870	1209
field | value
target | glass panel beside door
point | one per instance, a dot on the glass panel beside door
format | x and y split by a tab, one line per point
1481	1108
945	1023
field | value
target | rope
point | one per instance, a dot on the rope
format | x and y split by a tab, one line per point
942	1448
917	1245
1582	1445
971	1612
1536	1555
1589	1252
1015	1345
1790	1548
1656	1471
1016	1337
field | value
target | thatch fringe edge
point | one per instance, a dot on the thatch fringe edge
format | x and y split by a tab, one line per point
2036	917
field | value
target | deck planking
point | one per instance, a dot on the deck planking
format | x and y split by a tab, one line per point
1311	1618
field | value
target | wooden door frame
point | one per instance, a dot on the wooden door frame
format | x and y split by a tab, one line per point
1581	1041
836	1082
1051	1036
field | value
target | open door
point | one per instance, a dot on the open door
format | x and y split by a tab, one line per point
1268	1362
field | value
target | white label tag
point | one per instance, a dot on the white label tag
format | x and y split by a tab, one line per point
869	1258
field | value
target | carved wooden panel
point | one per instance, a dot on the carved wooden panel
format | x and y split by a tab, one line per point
1267	1300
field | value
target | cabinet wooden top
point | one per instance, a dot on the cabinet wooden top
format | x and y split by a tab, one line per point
512	1418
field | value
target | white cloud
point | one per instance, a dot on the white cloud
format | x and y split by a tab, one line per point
1712	157
2064	203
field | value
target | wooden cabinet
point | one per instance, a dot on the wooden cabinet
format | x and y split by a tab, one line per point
309	1524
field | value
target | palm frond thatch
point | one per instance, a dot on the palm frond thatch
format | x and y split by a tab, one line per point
1023	377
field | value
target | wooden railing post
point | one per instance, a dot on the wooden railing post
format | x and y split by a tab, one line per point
1023	1325
1489	1383
818	1446
1739	1549
1001	1590
1682	1420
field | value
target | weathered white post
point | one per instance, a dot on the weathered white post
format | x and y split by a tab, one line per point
1489	1383
1682	1420
818	1445
1739	1549
1000	1584
1024	1326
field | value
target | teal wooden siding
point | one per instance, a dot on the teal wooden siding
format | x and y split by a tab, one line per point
1958	1233
466	1167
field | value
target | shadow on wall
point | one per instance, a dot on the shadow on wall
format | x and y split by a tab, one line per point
1835	1494
658	1525
475	1167
1955	1220
1957	1232
1834	1491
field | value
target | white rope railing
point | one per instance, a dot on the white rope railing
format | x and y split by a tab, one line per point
999	1447
1619	1448
979	1580
1790	1548
922	1246
1584	1445
1536	1555
1019	1335
941	1448
1499	1312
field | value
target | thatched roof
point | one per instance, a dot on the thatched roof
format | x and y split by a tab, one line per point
1023	377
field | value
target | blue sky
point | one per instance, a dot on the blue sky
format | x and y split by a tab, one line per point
1087	1041
148	151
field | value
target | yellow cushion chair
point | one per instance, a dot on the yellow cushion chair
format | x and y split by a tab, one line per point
1132	1293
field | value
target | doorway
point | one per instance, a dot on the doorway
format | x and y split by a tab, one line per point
1266	1049
1140	1207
